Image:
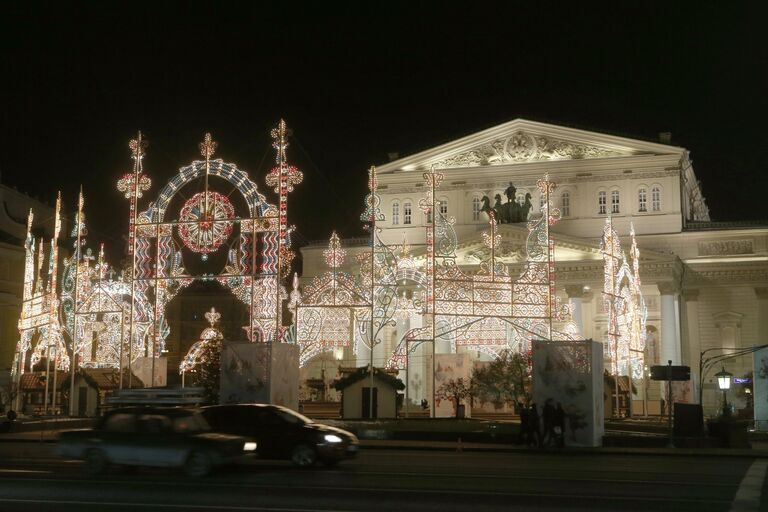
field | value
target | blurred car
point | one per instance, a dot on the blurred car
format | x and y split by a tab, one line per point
158	437
281	433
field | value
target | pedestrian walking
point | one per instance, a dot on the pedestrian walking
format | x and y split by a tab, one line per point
549	423
522	437
534	432
560	425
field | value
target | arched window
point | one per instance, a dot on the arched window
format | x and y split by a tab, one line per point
615	201
601	203
656	198
642	200
565	204
443	207
475	208
395	213
407	212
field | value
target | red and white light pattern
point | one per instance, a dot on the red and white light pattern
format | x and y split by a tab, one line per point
206	222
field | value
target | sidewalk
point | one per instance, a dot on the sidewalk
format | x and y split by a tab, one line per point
755	452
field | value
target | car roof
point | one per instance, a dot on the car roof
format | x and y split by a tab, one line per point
165	411
260	406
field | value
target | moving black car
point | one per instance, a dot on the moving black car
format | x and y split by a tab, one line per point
281	433
148	436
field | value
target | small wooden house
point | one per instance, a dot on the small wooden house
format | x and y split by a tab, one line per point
355	387
94	385
32	388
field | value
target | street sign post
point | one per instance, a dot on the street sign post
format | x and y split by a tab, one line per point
670	373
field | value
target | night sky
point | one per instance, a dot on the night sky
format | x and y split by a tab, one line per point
357	81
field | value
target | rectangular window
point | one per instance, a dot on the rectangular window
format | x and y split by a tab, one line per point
395	214
406	213
601	203
476	209
615	201
642	200
565	205
656	199
443	208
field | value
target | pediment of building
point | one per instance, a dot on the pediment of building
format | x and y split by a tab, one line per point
523	141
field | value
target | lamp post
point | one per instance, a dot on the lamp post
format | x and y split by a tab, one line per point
724	383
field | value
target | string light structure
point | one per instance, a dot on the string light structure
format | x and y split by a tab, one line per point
625	306
209	223
488	310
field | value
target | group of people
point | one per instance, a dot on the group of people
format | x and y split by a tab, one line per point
552	420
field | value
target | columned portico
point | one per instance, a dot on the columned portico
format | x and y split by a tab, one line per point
761	294
670	334
692	336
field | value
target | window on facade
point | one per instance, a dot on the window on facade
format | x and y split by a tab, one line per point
565	204
642	200
476	208
429	217
395	213
601	203
444	207
615	201
406	213
656	199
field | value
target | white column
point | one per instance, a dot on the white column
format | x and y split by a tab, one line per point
692	337
575	293
670	336
762	316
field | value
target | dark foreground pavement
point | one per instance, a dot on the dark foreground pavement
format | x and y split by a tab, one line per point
32	478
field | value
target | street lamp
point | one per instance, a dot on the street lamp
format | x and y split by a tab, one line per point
724	383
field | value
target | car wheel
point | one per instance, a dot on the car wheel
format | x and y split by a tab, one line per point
303	456
95	461
198	464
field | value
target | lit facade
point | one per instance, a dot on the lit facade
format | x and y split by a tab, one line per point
704	284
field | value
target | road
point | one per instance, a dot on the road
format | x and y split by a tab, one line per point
32	479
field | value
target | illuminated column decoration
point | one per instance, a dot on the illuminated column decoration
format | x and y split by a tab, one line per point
334	258
623	302
283	178
610	247
23	345
429	206
133	185
552	215
55	339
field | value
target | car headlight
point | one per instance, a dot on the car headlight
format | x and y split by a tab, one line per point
333	438
250	446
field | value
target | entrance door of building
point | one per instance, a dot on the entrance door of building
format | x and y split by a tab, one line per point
367	403
82	401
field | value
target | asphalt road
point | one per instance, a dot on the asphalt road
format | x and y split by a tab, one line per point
32	479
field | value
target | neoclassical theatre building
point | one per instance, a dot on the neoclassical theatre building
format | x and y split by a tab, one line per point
705	283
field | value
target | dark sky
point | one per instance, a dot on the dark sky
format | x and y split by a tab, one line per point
356	81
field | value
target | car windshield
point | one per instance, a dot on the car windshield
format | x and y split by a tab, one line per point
192	424
292	417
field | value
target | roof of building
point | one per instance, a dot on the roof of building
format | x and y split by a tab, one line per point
107	378
35	381
351	377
